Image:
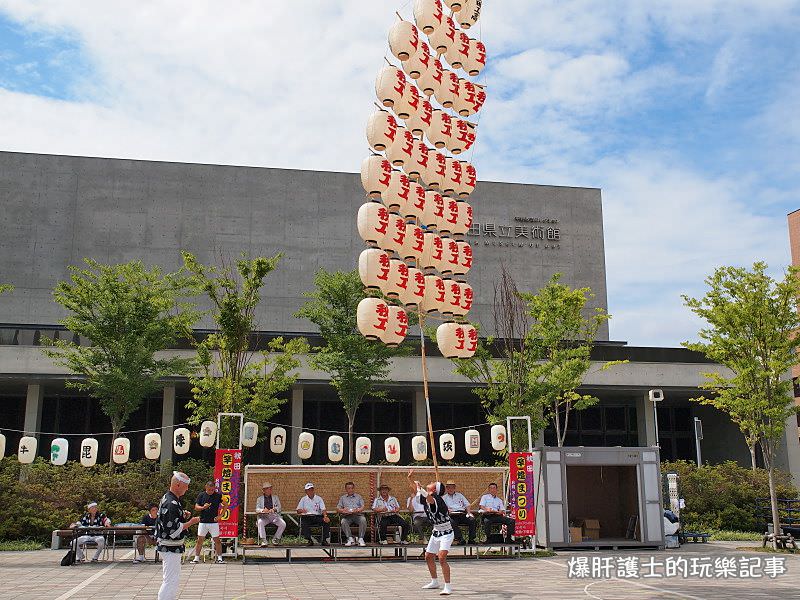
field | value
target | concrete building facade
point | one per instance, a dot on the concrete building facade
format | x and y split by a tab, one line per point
57	210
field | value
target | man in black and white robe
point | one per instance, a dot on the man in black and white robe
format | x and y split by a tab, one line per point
171	526
430	497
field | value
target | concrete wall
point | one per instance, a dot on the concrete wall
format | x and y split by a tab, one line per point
56	210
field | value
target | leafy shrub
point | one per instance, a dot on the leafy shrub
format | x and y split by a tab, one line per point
51	497
723	496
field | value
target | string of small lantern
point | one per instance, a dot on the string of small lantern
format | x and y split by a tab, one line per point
89	446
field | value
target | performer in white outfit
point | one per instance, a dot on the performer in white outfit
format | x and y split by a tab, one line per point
442	535
268	507
92	518
171	528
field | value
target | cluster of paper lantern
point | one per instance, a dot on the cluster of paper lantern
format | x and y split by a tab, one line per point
121	446
391	445
417	186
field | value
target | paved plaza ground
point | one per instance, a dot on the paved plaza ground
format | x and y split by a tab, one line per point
37	575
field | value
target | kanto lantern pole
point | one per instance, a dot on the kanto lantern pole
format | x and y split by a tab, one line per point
425	391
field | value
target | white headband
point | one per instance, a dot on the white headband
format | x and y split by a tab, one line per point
182	477
91	504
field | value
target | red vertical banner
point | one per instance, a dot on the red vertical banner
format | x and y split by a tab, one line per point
227	473
521	496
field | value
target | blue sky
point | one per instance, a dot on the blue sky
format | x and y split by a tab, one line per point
684	112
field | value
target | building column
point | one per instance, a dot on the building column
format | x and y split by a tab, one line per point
33	409
167	422
419	415
645	420
791	444
297	421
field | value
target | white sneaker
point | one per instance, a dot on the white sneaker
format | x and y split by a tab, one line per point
139	559
196	560
361	542
349	542
433	585
446	591
219	560
384	542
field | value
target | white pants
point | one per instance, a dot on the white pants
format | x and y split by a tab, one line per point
171	566
268	519
97	539
208	528
441	543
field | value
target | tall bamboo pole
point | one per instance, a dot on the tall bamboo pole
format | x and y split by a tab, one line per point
425	392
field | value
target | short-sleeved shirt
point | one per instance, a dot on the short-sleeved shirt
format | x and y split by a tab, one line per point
209	514
350	501
312	506
456	503
148	520
415	506
391	504
492	502
170	533
436	512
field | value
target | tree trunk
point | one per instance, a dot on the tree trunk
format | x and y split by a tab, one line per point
773	501
350	421
753	456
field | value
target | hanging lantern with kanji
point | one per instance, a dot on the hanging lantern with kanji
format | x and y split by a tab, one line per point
450	89
372	318
375	174
471	341
431	80
415	66
415	207
469	179
458	52
402	148
372	223
441	128
463	136
463	219
450	215
373	268
208	434
470	13
181	440
477	58
413	244
437	169
434	205
403	40
416	287
428	15
152	446
460	306
398	278
395	196
418	162
420	120
434	294
381	130
452	176
390	85
447	446
395	235
89	447
450	339
409	103
443	36
120	450
465	257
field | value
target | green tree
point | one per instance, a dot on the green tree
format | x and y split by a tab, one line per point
543	358
355	364
128	313
752	330
233	378
5	287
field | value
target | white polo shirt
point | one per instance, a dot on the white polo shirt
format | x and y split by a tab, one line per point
456	503
312	506
492	502
413	504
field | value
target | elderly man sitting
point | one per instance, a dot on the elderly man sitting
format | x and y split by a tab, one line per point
268	507
351	509
91	518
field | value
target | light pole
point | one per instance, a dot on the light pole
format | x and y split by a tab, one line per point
656	396
698	435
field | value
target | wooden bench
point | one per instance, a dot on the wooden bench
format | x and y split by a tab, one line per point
692	536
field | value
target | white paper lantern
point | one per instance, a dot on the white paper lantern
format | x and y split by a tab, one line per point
59	449
305	445
402	148
452	256
152	446
465	300
419	447
448	223
431	80
434	294
437	169
462	138
434	209
432	252
458	52
372	223
89	451
441	128
452	177
415	66
447	446
454	5
2	446
381	130
208	434
428	14
373	268
450	339
416	287
391	447
390	85
414	243
409	103
249	434
26	451
499	439
375	174
181	440
443	36
403	40
469	179
277	440
372	318
363	449
398	326
469	13
398	278
420	121
415	208
335	448
462	188
463	220
472	441
396	196
450	89
395	235
452	298
465	257
471	341
418	163
120	450
477	58
464	103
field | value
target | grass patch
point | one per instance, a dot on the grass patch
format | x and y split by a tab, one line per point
725	535
19	545
538	554
768	550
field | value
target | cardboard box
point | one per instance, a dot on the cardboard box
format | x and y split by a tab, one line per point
575	534
590	528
